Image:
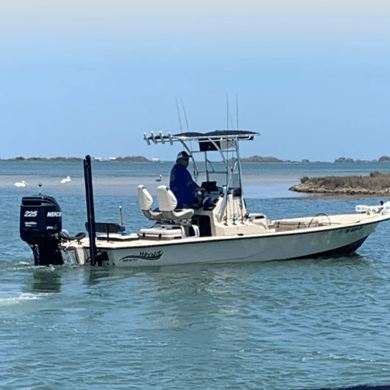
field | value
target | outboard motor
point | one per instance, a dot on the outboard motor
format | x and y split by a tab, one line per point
40	227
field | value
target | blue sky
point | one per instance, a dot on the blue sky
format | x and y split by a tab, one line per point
90	77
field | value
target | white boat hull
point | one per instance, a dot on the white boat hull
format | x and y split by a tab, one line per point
265	247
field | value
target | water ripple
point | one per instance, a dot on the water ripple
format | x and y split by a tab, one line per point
284	325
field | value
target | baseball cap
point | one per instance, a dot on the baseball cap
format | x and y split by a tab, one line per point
184	155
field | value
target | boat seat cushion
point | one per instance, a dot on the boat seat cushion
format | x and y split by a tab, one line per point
178	215
144	197
145	202
168	203
166	199
162	232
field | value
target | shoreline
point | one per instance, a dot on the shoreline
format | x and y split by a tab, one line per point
340	196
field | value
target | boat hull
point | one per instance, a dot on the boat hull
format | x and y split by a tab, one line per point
276	246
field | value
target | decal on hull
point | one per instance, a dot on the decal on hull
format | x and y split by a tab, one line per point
153	256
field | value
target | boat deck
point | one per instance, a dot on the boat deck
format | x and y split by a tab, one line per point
275	228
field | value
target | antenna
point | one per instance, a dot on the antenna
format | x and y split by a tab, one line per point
237	109
227	111
178	113
184	109
121	216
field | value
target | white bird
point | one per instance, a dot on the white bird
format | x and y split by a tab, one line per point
67	180
159	178
20	184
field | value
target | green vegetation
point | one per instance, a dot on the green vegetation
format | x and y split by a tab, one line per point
259	159
76	159
375	184
43	159
350	160
132	159
140	159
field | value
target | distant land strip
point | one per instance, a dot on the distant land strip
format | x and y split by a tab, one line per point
376	184
141	159
340	160
79	159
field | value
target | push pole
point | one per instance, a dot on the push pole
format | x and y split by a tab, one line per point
90	208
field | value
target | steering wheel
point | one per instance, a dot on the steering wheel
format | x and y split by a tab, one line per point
199	199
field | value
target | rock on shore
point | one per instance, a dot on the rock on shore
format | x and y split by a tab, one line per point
260	159
375	184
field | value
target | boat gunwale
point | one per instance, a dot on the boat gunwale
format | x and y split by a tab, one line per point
195	240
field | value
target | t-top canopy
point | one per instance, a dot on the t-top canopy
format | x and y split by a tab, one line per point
221	134
231	133
217	135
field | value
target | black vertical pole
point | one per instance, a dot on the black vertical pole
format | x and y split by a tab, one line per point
90	208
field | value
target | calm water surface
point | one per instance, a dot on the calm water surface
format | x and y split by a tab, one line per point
281	325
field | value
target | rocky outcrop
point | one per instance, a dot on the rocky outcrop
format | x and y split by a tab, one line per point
375	184
132	159
259	159
344	160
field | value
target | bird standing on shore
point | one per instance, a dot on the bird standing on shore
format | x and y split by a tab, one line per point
159	178
64	181
20	184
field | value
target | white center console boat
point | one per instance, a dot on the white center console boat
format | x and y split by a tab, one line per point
218	229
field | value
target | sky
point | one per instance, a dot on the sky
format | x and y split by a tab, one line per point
90	77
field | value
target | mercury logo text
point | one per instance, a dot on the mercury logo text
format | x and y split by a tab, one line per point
54	214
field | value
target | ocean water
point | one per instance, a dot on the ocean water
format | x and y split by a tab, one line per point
301	324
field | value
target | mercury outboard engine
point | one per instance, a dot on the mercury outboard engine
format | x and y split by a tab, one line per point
40	227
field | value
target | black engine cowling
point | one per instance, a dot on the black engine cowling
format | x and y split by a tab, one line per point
40	227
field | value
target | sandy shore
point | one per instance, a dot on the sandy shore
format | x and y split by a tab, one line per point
254	186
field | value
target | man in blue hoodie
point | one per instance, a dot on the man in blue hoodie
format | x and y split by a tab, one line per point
181	183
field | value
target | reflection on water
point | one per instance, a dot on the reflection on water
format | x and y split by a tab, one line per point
46	280
198	277
273	323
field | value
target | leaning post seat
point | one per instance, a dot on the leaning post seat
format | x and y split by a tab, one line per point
167	204
145	202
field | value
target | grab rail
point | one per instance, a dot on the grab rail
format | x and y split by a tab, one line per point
317	215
